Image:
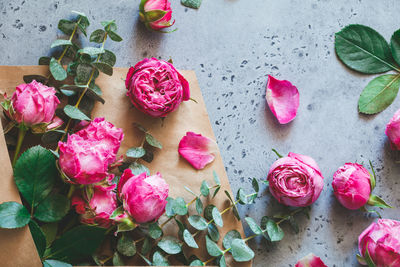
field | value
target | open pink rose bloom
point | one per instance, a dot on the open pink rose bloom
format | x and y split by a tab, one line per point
310	261
283	99
198	150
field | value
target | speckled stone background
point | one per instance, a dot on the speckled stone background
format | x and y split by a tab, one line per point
233	45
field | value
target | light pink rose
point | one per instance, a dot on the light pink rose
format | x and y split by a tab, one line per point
97	210
393	131
155	87
143	197
352	186
197	149
84	161
156	14
105	132
383	241
295	180
283	99
33	103
310	261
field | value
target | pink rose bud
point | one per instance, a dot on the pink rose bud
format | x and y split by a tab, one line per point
310	261
156	14
352	186
143	197
105	132
155	87
393	131
98	209
283	99
295	180
382	238
84	161
33	103
197	149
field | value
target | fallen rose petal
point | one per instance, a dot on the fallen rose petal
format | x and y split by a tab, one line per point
283	99
196	149
310	261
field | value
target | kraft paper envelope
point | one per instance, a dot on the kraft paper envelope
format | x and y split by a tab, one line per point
17	247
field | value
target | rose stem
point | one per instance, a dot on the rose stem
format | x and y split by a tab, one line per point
21	135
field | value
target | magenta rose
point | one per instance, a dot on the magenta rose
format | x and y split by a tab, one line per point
352	186
105	132
143	197
155	87
310	261
382	238
84	161
393	131
33	104
98	209
156	14
295	180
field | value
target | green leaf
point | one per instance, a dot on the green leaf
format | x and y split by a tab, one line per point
114	36
135	152
212	248
84	21
222	262
151	140
240	251
60	42
208	212
191	3
155	231
44	61
196	262
170	245
377	202
274	232
199	206
216	190
38	238
66	26
229	237
75	113
216	178
372	176
109	25
83	73
169	210
145	259
52	137
117	260
126	245
189	240
363	49
159	259
179	206
217	217
53	208
91	51
35	173
213	232
78	242
204	189
108	57
146	247
368	259
379	93
198	222
50	232
13	215
55	263
138	168
361	259
395	46
57	70
234	208
103	67
294	224
254	226
241	196
255	185
154	15
97	36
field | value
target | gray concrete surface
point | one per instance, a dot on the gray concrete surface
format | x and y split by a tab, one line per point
233	45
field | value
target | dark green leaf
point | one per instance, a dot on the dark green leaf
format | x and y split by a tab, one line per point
140	127
208	212
229	237
274	232
57	70
240	251
60	42
377	202
189	240
50	232
146	247
84	21
135	152
91	51
38	78
108	57
234	209
55	263
191	3
395	46
179	206
53	208
159	259
138	168
126	245
379	93
74	113
103	67
34	174
114	36
38	238
52	137
363	49
66	26
154	15
213	232
13	215
181	227
44	60
212	248
254	226
151	140
198	222
216	190
294	224
204	190
217	217
90	93
255	185
97	36
199	206
155	231
117	260
170	245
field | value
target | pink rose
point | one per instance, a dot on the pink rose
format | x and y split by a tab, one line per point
295	180
105	132
98	209
352	186
143	197
155	87
33	104
156	14
310	261
383	241
197	149
393	131
84	161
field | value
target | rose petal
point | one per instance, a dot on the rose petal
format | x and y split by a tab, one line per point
310	261
195	148
283	99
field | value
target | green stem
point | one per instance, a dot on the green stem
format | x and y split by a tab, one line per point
21	135
71	191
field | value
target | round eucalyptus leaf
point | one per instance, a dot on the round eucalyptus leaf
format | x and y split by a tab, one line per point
170	245
198	222
13	215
